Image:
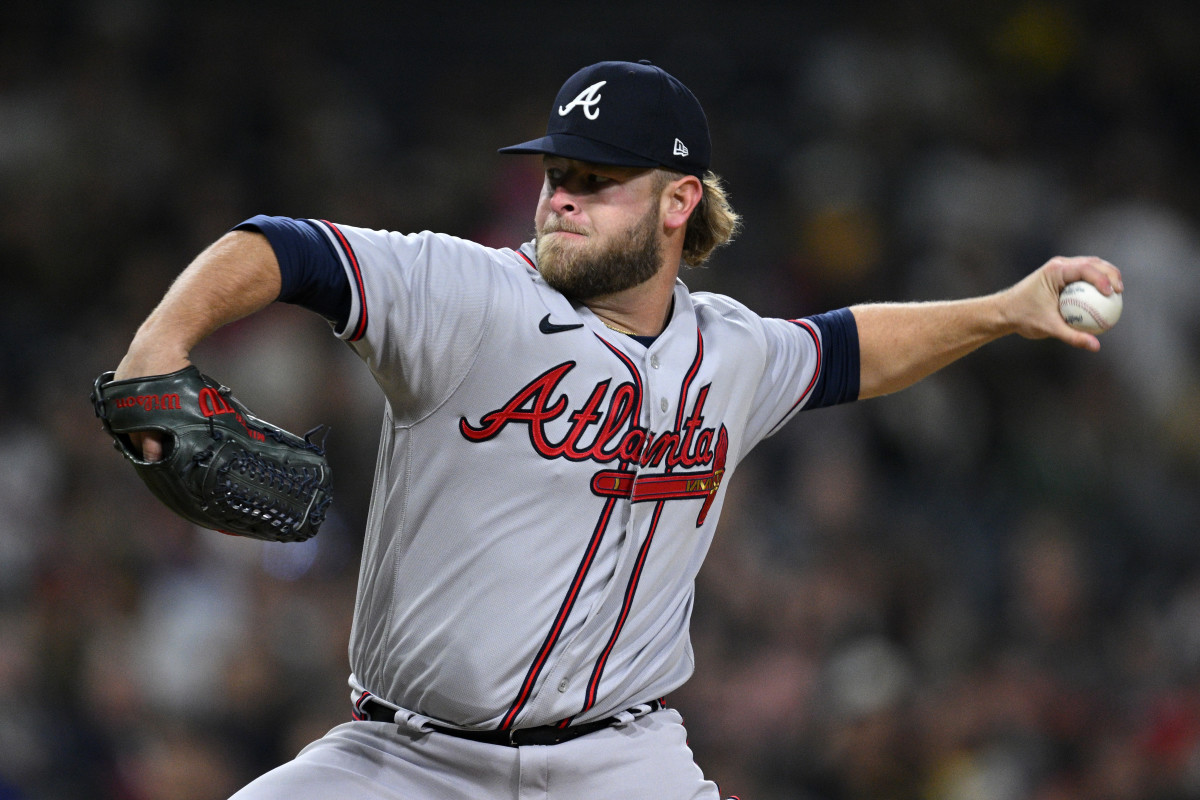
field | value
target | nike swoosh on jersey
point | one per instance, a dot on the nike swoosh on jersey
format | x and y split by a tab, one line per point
546	326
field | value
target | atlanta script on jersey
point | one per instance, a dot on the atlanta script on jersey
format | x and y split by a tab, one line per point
546	488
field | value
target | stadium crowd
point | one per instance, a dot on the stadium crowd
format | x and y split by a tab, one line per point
987	586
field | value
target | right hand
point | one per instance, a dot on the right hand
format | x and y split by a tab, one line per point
1033	302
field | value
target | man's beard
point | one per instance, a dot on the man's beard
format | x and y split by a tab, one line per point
583	269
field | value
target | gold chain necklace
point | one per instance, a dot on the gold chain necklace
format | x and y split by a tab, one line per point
618	330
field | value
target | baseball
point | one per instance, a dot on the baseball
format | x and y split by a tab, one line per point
1086	309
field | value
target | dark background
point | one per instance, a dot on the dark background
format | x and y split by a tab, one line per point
983	587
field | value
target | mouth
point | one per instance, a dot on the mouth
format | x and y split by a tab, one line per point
559	227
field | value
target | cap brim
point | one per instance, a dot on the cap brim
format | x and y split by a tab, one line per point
580	148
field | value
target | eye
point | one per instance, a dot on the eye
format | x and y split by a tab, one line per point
598	180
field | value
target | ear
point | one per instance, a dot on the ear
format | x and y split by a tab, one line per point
679	199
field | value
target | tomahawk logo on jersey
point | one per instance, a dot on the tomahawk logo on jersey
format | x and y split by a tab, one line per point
586	575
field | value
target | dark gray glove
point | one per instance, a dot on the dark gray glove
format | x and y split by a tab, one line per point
222	467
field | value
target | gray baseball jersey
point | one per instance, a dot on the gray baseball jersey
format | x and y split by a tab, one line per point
546	488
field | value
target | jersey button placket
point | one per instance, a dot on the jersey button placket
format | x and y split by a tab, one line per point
658	379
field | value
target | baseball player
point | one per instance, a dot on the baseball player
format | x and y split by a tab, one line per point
561	422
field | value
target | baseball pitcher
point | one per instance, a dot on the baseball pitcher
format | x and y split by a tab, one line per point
562	421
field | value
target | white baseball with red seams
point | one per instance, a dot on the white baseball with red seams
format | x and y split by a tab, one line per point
1086	308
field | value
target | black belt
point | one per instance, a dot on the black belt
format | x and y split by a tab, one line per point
372	709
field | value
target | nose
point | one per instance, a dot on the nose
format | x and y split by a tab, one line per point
562	202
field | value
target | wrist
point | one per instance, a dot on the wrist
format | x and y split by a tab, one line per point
148	355
1000	313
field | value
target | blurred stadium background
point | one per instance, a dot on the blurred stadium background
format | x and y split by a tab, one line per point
985	587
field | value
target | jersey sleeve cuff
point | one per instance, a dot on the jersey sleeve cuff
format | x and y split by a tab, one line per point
311	275
838	380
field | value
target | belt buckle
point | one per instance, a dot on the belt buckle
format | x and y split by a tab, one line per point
539	735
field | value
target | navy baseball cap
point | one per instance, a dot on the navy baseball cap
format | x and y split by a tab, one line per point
626	114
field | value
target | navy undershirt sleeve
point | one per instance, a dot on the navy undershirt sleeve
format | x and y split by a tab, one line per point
312	275
838	380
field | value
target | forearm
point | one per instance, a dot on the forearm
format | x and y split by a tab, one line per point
234	277
901	343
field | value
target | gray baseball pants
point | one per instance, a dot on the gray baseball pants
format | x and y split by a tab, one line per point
647	758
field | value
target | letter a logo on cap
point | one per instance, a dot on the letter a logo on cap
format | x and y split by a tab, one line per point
588	99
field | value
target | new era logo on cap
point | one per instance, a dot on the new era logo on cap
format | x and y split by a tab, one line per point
626	114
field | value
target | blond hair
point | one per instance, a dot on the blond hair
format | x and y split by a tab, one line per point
713	222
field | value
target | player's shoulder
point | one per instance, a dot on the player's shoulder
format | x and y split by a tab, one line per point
436	240
729	324
723	316
505	257
720	305
719	310
442	251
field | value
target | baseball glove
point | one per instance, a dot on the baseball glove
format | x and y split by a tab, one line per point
222	467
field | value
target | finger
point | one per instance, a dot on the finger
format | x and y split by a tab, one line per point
1058	328
1096	271
149	443
1084	341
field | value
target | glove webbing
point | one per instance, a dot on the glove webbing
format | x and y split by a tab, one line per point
237	479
